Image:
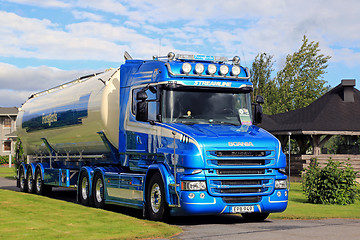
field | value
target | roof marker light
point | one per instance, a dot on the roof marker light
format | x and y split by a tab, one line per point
235	70
186	68
199	68
224	69
212	69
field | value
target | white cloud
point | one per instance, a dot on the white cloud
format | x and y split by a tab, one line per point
17	84
87	16
47	3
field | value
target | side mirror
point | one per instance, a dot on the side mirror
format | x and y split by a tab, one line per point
259	99
258	110
141	96
141	106
142	111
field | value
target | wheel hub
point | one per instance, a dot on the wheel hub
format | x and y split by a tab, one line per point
155	198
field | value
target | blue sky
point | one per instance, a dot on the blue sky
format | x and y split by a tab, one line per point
45	43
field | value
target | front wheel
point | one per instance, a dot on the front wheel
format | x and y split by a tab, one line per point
98	191
255	217
155	199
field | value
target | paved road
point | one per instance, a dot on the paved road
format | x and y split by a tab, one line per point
233	227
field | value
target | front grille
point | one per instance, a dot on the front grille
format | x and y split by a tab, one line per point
241	153
241	190
230	162
240	171
251	199
240	182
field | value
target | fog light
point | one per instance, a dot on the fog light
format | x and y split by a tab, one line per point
202	195
279	194
285	193
191	195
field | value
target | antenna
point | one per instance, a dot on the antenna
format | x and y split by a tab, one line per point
242	52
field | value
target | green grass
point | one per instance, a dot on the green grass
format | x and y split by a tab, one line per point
29	216
298	208
7	172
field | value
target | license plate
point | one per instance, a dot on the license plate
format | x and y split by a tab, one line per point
242	209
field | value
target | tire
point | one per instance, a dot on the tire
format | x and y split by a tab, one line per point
98	191
30	183
40	187
84	186
22	180
156	207
255	217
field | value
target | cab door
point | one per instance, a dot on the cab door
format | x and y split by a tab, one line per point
141	136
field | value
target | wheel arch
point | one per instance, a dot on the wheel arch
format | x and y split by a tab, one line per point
166	176
90	173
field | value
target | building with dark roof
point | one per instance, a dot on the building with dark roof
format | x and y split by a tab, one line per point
335	113
8	130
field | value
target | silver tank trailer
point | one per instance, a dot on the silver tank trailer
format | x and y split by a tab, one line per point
70	116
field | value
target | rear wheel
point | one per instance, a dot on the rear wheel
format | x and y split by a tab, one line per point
40	187
255	217
98	191
155	199
30	181
22	180
84	188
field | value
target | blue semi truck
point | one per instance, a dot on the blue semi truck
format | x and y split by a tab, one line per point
174	135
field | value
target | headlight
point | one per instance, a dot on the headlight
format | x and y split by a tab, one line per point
212	69
281	184
199	68
235	70
224	69
193	185
186	68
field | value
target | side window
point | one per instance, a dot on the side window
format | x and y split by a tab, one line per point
152	100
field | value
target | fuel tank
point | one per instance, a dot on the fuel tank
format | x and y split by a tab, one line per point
71	115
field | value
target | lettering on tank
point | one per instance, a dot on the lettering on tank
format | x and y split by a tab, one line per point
60	116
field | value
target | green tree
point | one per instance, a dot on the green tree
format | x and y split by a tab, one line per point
260	71
301	81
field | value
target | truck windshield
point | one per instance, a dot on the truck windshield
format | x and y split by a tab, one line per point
204	107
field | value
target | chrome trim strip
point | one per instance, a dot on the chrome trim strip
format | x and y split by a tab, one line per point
277	201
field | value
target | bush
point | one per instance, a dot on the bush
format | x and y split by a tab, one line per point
333	184
4	160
